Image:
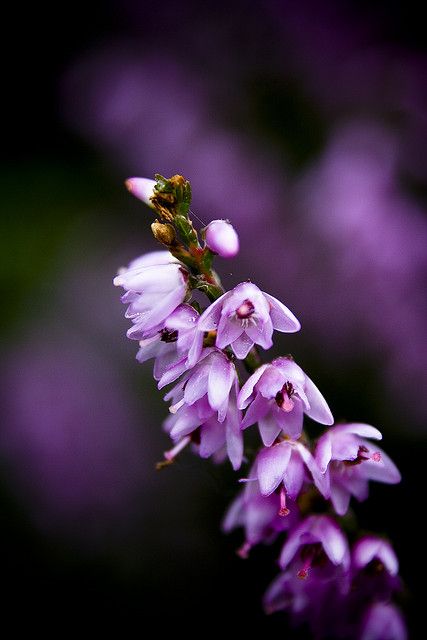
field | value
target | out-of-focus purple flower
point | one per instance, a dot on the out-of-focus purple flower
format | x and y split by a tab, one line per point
305	538
372	548
155	284
246	316
259	517
286	463
222	238
141	188
278	394
170	342
351	461
383	621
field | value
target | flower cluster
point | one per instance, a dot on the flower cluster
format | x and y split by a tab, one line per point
294	485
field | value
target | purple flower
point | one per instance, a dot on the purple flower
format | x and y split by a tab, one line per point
351	461
246	316
285	464
371	548
259	517
155	284
141	188
221	238
204	408
383	621
170	342
317	538
278	394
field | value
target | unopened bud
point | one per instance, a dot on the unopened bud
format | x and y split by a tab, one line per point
164	233
142	188
222	238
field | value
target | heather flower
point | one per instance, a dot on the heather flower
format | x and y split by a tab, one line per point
278	394
351	461
372	548
170	342
141	188
316	539
155	284
203	422
383	621
221	238
286	463
258	515
246	316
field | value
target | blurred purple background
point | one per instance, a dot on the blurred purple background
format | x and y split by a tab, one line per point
303	123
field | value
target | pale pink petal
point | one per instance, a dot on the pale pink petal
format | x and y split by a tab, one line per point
242	346
196	350
197	384
294	475
172	373
212	437
269	429
290	421
333	540
323	453
320	480
209	319
183	318
371	547
234	436
340	498
261	334
283	319
246	391
271	465
358	429
229	329
220	378
257	410
271	382
383	622
186	421
319	410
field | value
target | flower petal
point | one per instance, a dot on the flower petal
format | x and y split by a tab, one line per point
220	378
234	436
209	319
246	391
241	346
323	453
282	318
271	465
229	329
333	540
257	410
212	437
319	410
370	547
268	428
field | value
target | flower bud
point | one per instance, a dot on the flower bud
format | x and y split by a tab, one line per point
222	238
142	188
164	233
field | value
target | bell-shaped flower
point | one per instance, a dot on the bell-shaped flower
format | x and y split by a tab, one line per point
170	342
155	284
315	539
350	461
259	517
212	421
288	465
383	621
246	316
277	395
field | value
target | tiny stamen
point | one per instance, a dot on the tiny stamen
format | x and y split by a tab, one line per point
174	407
303	572
172	453
243	551
283	397
376	456
283	511
245	310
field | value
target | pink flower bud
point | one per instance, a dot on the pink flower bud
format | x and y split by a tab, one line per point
222	238
142	188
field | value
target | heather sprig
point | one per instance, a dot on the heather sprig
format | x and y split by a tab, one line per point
296	487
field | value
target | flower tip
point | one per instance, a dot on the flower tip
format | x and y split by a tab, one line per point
221	238
141	188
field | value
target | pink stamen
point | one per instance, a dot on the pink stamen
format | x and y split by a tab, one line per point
376	457
243	551
283	511
303	572
245	310
172	453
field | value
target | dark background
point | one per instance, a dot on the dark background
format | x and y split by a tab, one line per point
306	126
